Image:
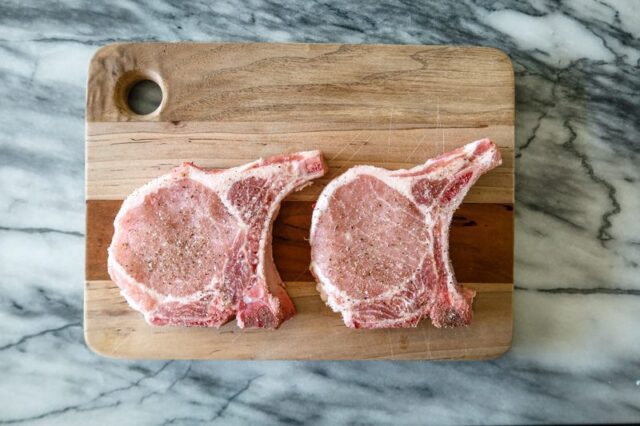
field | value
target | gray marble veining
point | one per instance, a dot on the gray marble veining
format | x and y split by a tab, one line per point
576	350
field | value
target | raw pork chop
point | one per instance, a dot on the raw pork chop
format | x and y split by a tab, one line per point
380	241
193	247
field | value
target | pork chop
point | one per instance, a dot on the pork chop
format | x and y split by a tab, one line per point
193	247
380	240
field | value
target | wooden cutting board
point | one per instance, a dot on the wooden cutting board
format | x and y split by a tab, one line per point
227	104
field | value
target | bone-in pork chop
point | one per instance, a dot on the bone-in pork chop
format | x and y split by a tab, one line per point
193	247
380	241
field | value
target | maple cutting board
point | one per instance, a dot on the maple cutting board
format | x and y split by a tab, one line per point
227	104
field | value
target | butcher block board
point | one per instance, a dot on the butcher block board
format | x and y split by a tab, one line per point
227	104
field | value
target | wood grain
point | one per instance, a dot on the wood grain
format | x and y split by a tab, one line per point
113	329
227	104
431	86
121	156
481	241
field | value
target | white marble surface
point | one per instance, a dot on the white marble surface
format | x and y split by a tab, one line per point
576	349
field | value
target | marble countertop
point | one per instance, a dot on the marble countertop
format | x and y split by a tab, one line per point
576	347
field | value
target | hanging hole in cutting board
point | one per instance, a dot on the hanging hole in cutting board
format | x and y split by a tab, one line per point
144	97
